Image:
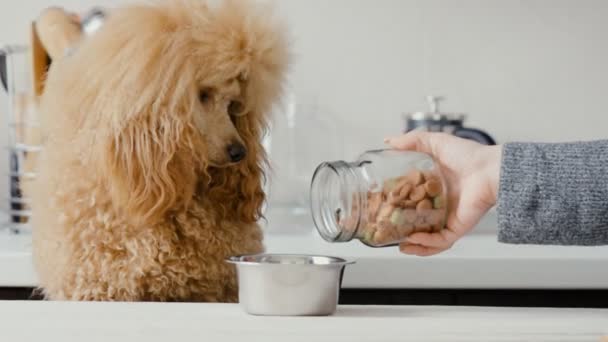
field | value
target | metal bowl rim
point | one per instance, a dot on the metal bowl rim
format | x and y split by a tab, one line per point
335	261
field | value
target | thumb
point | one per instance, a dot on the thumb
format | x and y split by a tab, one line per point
413	141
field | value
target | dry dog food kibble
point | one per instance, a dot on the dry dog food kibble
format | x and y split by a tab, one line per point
405	205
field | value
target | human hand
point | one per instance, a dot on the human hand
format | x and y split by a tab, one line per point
472	173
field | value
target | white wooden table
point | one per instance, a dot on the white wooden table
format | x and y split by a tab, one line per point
62	321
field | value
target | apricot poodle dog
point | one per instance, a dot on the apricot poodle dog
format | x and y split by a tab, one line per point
152	169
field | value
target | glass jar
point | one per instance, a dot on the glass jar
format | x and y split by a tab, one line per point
380	199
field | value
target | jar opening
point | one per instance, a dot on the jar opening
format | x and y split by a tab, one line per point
335	201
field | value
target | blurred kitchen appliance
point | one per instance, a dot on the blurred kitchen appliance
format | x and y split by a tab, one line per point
22	73
23	134
437	121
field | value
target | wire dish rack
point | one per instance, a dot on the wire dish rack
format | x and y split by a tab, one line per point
23	136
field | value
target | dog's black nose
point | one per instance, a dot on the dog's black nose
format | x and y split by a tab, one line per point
237	152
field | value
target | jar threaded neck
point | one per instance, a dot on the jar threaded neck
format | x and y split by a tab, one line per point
337	201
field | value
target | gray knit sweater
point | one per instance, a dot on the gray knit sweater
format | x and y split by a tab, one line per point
554	194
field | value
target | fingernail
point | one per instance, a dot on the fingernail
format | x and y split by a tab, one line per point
387	140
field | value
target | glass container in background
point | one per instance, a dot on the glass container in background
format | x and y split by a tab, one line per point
23	136
302	135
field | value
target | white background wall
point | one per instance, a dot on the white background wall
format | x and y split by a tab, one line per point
523	70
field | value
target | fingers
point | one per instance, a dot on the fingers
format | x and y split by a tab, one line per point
422	251
427	244
427	142
443	240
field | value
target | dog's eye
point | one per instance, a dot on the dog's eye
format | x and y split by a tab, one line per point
204	95
235	108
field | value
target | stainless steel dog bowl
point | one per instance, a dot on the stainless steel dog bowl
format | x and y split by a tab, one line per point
289	285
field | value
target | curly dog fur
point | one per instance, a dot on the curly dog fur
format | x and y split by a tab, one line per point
136	197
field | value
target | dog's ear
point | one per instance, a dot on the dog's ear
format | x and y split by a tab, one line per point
150	168
136	90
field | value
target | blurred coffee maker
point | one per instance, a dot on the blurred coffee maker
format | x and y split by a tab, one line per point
437	121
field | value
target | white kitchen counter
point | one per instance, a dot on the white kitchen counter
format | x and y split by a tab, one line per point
66	321
477	261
